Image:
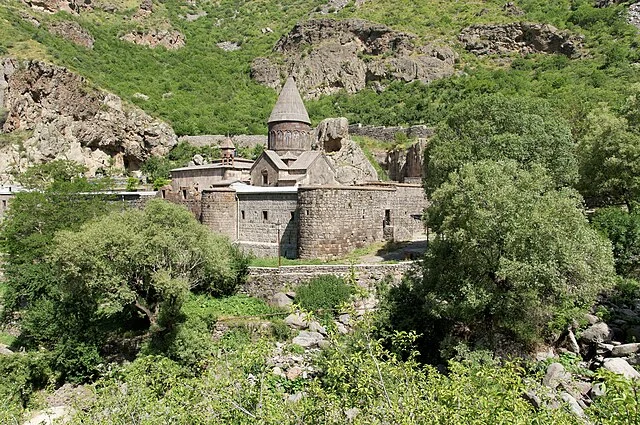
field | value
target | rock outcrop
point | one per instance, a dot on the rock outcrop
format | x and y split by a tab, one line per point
169	39
519	37
405	165
53	6
633	16
329	55
346	157
73	32
68	119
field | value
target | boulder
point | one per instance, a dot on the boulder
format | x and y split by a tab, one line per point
573	404
73	32
167	38
621	367
308	339
351	164
317	327
345	319
297	321
625	349
598	332
280	300
53	415
330	133
4	350
64	117
556	375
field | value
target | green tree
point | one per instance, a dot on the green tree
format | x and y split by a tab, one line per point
623	230
145	259
61	198
512	254
496	127
609	155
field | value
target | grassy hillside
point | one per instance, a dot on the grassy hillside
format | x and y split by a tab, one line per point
211	91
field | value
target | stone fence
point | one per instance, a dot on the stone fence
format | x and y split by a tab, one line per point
388	134
264	282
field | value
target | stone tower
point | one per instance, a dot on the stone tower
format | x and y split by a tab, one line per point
289	124
227	149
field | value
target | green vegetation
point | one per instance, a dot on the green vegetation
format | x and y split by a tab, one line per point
323	293
213	93
512	255
497	128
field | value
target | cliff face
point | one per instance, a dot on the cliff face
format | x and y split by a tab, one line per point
67	118
329	55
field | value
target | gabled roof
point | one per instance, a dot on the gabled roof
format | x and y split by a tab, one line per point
289	106
306	159
274	158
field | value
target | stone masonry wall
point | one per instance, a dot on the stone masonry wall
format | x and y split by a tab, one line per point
220	211
409	204
335	220
388	134
259	234
264	282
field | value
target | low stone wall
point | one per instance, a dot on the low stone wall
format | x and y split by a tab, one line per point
388	134
264	282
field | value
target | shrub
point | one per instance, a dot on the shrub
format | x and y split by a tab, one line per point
323	293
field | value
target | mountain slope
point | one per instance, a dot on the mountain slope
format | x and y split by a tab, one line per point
203	88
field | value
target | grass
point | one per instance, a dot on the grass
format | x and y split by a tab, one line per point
236	305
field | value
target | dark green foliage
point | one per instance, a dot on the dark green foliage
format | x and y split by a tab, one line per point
22	375
498	127
609	156
323	293
65	200
512	254
623	229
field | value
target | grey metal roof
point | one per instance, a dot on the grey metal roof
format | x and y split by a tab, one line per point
305	160
289	106
273	156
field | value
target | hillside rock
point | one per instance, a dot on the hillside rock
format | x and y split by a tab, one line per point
405	165
329	55
72	32
69	119
346	157
53	6
169	39
633	16
519	37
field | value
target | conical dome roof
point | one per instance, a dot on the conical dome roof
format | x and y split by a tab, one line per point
289	106
227	144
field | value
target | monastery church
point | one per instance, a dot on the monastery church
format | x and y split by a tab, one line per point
288	202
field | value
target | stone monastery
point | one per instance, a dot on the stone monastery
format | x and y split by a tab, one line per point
289	202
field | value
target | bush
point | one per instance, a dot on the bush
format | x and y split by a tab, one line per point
623	229
21	376
323	293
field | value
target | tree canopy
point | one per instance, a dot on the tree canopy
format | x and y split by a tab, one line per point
609	156
512	253
496	127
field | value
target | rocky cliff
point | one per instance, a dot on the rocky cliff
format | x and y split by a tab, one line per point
329	55
64	117
519	37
